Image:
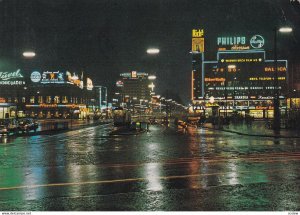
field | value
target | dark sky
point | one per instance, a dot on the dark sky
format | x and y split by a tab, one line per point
108	37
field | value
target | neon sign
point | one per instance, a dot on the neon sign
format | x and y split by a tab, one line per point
4	76
227	41
52	77
257	42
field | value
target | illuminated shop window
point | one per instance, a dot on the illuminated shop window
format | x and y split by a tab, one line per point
31	100
23	100
56	99
48	99
40	99
9	99
64	99
15	100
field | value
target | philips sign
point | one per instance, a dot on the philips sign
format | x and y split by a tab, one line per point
240	42
228	41
257	42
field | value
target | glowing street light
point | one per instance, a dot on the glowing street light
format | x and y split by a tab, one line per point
285	29
153	51
276	102
151	77
29	54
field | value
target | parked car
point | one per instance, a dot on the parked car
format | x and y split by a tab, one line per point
8	126
3	129
28	124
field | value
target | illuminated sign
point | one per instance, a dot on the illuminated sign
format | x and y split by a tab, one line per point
35	76
119	84
265	78
43	105
240	43
74	79
4	76
198	44
227	41
11	78
264	108
198	40
197	32
56	77
89	84
241	60
272	69
133	74
257	42
214	79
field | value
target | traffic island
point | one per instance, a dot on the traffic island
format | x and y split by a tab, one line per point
133	129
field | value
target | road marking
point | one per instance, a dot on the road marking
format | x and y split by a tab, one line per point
124	180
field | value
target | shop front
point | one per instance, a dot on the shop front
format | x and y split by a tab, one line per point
57	111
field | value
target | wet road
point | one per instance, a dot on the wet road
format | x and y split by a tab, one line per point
162	170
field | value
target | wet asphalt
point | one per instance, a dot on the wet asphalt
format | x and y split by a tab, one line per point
164	169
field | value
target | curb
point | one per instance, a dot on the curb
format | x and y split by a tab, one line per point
58	131
253	135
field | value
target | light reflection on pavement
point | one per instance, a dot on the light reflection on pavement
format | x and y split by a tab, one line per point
174	170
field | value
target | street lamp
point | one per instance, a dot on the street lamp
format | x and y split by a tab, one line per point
276	123
29	54
153	51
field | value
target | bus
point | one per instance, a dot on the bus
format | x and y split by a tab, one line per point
121	116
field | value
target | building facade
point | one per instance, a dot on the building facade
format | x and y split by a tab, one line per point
46	94
134	90
241	79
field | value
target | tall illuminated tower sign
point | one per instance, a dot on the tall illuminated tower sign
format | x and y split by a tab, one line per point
197	60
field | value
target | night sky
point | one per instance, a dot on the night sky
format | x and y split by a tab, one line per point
106	37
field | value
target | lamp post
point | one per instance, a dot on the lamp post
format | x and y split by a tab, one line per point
276	102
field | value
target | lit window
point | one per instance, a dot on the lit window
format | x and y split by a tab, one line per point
64	99
31	100
48	99
56	99
40	99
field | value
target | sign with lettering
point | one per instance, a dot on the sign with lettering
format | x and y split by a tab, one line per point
240	42
12	78
56	77
198	40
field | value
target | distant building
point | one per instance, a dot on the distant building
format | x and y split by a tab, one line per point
133	87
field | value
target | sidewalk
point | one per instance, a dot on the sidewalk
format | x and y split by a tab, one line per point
257	128
52	126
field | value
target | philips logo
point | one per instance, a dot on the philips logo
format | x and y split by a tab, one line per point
257	42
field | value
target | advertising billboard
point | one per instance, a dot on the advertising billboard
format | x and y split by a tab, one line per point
245	75
240	42
198	40
12	78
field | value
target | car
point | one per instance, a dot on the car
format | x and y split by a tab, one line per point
28	124
3	130
8	126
